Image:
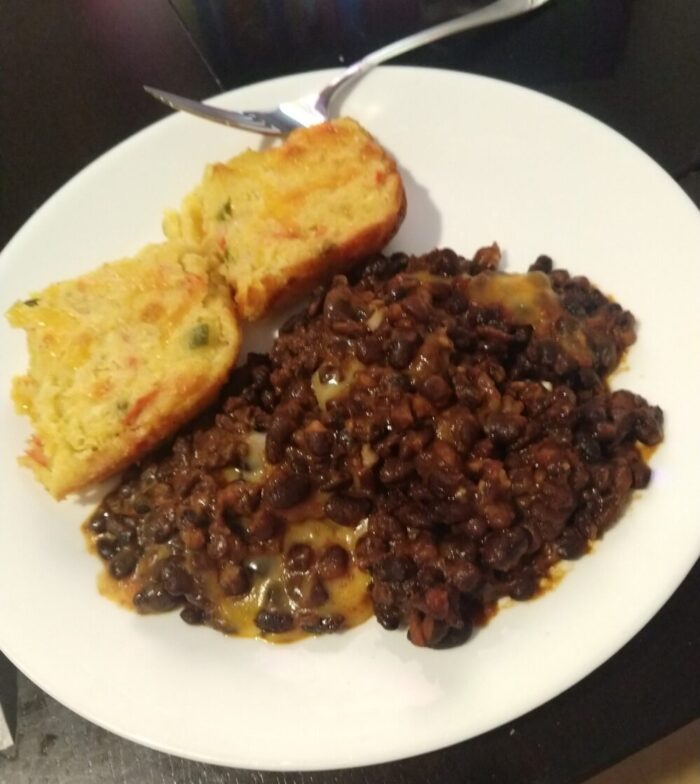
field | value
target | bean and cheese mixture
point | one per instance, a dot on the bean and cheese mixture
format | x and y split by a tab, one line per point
428	436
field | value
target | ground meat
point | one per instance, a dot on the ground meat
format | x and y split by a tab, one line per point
455	418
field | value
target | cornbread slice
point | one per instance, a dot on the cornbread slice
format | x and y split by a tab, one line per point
119	359
284	218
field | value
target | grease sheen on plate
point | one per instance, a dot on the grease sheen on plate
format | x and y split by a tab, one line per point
503	164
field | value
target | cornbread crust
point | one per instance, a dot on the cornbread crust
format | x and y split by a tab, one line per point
120	358
283	219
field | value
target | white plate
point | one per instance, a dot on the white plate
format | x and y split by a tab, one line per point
484	161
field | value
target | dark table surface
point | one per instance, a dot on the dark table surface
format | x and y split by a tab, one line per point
70	88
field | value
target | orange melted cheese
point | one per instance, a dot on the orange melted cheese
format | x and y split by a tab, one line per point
335	387
347	595
529	300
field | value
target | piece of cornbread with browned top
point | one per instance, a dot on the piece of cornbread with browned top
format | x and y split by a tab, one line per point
285	218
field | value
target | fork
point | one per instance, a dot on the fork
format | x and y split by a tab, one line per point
314	108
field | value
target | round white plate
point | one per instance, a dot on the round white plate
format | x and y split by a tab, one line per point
483	161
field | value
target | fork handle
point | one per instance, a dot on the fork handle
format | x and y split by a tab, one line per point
501	9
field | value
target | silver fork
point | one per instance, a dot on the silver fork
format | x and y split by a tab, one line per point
313	109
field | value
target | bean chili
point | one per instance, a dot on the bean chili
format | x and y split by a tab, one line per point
430	435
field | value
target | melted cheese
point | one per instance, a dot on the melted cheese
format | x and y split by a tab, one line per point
347	595
528	299
326	391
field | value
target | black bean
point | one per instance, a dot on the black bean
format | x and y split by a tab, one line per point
414	442
333	563
476	527
217	546
299	558
98	522
441	290
118	525
649	425
318	439
459	427
465	576
417	307
274	622
279	431
141	506
502	550
156	529
559	278
457	302
338	305
394	568
176	580
444	261
388	616
368	550
437	390
401	416
524	586
330	479
194	616
127	536
641	474
369	350
417	515
384	267
499	515
458	547
571	544
542	264
123	562
443	483
453	512
106	545
197	518
346	510
284	490
504	428
402	348
154	599
385	526
589	446
395	470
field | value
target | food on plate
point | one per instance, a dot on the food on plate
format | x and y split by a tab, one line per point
429	435
287	217
120	358
123	356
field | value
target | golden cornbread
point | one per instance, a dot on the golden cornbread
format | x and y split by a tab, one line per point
119	359
284	218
